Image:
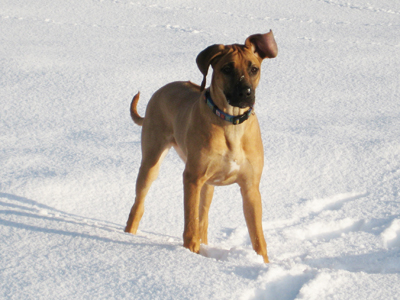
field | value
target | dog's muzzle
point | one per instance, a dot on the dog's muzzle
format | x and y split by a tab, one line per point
242	97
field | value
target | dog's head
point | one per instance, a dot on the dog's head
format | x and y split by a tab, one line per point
237	67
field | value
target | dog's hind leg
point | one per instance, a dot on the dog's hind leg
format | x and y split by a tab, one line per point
148	172
206	195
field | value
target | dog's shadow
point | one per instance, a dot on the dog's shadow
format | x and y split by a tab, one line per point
23	213
29	215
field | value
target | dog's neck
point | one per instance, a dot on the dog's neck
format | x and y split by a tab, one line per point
222	109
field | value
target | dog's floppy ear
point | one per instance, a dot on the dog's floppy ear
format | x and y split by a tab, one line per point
204	59
263	44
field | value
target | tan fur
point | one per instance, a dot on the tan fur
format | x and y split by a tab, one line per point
215	152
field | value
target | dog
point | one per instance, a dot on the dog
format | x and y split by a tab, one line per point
216	133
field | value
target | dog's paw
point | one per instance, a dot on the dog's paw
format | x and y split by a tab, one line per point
130	229
193	244
265	257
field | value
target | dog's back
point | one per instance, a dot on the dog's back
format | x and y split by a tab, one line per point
169	99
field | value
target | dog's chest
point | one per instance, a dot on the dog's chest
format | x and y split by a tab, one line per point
225	169
227	159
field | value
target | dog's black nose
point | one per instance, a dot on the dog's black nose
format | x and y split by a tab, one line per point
245	92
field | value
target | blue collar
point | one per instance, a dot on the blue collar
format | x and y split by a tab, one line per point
235	120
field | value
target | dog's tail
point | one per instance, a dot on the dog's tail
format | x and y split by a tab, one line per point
134	114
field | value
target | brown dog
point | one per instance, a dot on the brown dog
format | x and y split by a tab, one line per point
216	133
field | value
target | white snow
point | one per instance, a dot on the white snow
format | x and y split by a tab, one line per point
329	110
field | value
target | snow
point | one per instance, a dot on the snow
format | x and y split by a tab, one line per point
329	111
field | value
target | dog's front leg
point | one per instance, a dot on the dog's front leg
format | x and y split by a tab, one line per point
192	190
205	201
253	214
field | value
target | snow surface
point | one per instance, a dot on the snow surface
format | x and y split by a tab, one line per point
329	111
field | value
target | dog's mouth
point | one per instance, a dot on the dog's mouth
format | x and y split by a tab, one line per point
240	102
241	105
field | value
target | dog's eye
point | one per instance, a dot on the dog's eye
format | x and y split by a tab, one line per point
227	69
254	70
